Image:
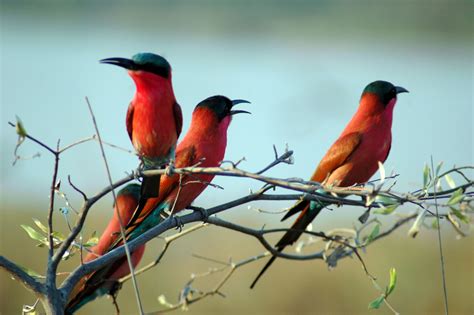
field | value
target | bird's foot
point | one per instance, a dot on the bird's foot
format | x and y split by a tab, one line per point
202	211
169	170
179	223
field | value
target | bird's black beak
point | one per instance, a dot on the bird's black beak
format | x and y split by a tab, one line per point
399	89
233	112
121	62
239	101
235	102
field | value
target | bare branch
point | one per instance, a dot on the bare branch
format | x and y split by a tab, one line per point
52	151
19	274
168	240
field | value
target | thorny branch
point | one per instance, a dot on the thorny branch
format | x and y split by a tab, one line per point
372	195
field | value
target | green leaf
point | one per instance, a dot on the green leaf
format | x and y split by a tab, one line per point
438	168
20	128
373	234
434	224
40	225
426	176
460	215
375	304
34	234
58	235
393	282
385	200
386	210
91	242
456	197
449	180
381	171
415	228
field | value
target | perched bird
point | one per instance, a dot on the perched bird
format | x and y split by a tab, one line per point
154	119
352	159
204	144
86	291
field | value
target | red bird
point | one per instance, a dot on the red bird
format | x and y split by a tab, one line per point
353	158
84	292
205	143
154	119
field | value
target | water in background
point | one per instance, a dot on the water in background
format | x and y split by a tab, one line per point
303	67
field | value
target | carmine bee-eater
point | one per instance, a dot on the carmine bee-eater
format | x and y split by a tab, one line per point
154	119
353	158
86	291
204	144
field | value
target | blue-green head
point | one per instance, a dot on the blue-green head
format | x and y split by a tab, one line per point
148	62
385	91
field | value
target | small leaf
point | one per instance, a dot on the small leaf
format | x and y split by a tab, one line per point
386	210
32	233
415	228
385	200
40	225
369	200
450	181
20	128
381	171
375	304
426	176
58	235
393	282
434	224
373	234
438	184
456	197
91	242
162	300
460	215
438	168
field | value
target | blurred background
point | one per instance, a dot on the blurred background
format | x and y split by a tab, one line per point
303	65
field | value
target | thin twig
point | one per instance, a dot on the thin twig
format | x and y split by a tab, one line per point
52	268
121	223
441	256
52	151
168	240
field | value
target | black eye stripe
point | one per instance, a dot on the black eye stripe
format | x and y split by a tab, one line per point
149	67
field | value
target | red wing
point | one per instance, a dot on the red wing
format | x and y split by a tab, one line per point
178	119
184	157
129	120
337	155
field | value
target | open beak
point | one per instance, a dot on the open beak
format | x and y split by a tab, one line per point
400	89
121	62
238	111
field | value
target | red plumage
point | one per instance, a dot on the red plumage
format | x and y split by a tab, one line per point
354	156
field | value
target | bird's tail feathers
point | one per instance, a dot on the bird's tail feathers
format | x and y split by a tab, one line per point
297	207
306	217
267	265
150	187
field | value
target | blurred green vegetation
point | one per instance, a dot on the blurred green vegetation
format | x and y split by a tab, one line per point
290	287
